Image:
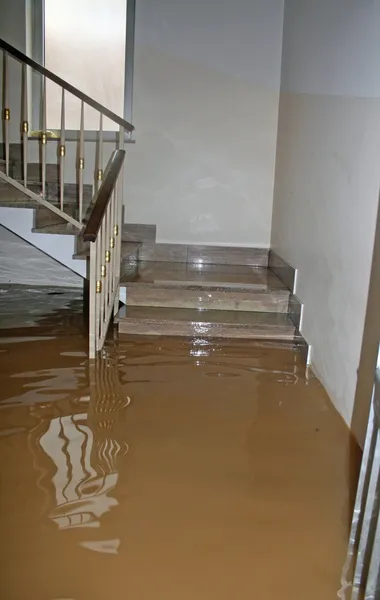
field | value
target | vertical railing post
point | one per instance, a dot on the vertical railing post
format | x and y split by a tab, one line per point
6	111
62	153
25	123
99	170
361	571
43	138
118	224
81	161
108	257
93	301
112	242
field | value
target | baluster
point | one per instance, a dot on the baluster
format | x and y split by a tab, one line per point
106	272
62	153
25	123
99	172
103	276
109	253
43	137
81	161
118	224
112	241
99	286
373	583
6	111
93	297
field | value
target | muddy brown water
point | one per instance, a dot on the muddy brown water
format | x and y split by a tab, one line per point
173	469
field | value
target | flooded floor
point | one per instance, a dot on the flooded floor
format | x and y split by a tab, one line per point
175	470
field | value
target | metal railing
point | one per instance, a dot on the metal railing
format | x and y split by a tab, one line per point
103	231
103	212
361	573
57	205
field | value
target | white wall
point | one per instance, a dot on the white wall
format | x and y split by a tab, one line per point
61	248
207	77
327	176
22	263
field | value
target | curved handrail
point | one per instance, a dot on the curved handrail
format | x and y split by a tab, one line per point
66	86
103	196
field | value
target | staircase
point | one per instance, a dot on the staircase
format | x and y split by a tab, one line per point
76	216
207	300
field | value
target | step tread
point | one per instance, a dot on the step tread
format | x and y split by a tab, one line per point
190	276
58	229
183	322
127	248
217	317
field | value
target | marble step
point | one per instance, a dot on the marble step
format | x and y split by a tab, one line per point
216	287
11	197
128	250
71	191
34	172
139	320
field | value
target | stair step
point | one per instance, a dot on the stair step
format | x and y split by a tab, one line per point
12	198
205	323
217	287
71	193
128	250
34	172
185	274
64	228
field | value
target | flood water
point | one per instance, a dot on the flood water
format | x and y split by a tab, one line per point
172	469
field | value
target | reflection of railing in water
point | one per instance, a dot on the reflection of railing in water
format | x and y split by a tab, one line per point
84	449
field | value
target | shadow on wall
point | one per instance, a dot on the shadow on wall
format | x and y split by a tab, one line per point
370	346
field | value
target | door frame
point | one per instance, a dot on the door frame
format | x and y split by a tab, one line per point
37	39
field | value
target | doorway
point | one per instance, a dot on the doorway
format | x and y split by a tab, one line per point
89	44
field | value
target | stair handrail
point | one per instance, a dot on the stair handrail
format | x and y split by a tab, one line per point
104	232
103	196
12	51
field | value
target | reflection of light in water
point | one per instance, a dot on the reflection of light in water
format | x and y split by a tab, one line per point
199	353
81	490
200	342
49	384
103	546
18	340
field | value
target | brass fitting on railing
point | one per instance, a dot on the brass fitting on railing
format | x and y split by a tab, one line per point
99	174
116	230
81	164
103	271
62	150
7	114
98	287
43	138
112	243
25	126
108	256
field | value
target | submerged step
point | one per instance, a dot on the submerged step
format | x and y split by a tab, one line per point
205	323
217	287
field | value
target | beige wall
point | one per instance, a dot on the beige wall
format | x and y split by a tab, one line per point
207	77
327	177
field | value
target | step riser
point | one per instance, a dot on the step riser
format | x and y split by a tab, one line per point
203	255
184	329
208	299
